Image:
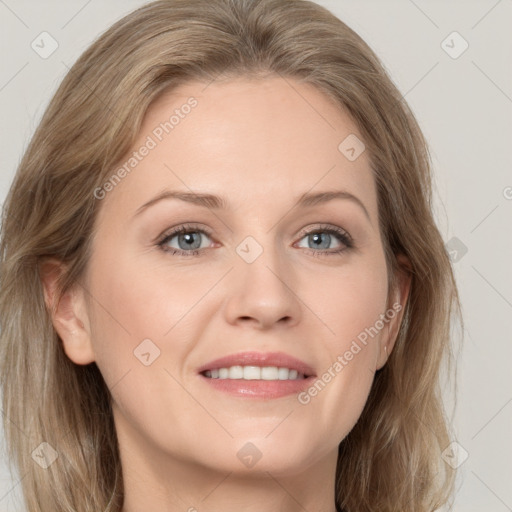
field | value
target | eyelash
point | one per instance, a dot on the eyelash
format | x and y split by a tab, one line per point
339	233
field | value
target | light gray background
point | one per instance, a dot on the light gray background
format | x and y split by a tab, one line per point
464	106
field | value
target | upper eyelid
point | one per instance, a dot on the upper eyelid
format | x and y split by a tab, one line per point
208	231
172	232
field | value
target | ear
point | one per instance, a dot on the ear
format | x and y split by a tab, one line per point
69	313
396	310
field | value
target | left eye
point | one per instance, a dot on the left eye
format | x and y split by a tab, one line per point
322	239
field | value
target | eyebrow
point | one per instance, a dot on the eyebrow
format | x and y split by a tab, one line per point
214	202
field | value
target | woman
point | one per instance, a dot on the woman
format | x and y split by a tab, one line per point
222	286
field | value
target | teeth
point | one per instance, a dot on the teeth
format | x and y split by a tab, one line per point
235	372
254	373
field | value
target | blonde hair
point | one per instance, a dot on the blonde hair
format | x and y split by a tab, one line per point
391	460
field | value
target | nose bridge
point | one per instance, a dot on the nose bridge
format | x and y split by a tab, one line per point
261	258
261	285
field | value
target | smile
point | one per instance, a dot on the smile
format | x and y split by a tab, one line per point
254	373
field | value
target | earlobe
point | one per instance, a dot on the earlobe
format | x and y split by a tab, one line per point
68	313
397	308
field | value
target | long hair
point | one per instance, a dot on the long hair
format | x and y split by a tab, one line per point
391	459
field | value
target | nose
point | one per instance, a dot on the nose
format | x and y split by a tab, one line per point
263	293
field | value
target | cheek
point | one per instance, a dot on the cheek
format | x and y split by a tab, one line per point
138	302
142	308
349	300
141	324
350	303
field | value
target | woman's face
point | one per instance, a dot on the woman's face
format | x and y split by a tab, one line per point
281	255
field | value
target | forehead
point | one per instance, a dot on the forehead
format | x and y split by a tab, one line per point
248	140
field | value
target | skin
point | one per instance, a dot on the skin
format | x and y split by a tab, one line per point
260	144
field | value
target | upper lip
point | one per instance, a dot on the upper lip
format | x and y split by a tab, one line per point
279	359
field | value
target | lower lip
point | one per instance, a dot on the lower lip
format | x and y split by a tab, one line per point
259	388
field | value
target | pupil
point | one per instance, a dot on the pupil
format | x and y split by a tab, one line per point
189	238
317	239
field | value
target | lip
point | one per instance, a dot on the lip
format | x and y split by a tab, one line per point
279	359
264	389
